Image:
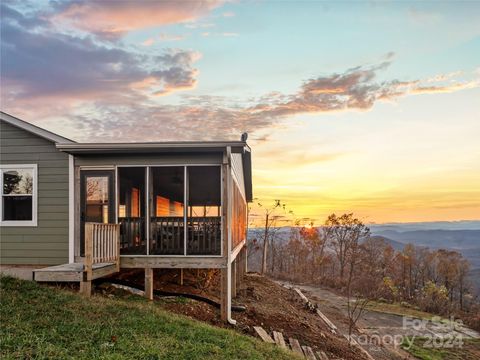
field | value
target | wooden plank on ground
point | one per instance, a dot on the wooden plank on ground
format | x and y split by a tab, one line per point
263	334
295	345
299	292
321	355
331	325
279	340
309	355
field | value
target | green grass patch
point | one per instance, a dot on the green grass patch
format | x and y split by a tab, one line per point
423	349
41	322
397	309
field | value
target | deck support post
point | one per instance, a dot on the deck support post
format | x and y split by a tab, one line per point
245	260
149	283
224	294
240	265
234	278
86	288
181	277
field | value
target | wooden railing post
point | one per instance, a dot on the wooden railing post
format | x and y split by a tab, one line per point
102	245
86	283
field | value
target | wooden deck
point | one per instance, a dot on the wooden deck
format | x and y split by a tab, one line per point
73	272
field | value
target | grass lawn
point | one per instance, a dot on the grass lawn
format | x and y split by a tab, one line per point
469	350
397	309
41	322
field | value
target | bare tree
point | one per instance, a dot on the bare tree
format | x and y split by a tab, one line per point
344	234
270	216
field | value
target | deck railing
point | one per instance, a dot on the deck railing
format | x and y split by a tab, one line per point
102	244
167	236
132	235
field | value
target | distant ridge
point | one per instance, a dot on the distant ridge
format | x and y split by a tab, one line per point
431	225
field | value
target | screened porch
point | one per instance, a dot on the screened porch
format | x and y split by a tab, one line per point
169	210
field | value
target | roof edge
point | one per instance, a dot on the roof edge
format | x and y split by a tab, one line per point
33	129
145	146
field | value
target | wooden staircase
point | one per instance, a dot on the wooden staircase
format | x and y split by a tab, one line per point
278	339
102	258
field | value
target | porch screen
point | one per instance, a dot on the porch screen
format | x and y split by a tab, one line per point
167	185
204	210
131	210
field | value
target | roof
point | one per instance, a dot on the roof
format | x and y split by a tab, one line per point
48	135
153	147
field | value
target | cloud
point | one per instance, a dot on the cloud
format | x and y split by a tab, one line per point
224	34
148	42
162	37
39	63
209	117
445	89
104	90
112	19
170	37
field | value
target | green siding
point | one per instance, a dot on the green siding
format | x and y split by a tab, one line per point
47	243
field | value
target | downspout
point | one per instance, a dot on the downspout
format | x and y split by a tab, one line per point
229	242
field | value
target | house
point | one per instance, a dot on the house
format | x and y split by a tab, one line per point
79	211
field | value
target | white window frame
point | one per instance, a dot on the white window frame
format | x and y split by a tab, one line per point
34	169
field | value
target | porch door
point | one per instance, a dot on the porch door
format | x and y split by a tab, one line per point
97	200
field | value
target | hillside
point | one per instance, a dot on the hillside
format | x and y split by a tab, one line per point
467	242
42	322
453	239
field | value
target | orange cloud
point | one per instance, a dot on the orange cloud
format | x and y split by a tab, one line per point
113	18
446	88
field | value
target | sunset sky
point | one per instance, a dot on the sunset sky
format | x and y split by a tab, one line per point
364	107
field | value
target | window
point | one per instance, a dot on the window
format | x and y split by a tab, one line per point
18	205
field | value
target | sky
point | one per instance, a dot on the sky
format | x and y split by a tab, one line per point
364	107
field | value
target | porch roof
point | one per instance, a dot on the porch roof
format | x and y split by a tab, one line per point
153	147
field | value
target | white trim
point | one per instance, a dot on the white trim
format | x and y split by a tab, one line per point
167	146
71	209
117	194
21	223
222	220
185	210
147	209
229	236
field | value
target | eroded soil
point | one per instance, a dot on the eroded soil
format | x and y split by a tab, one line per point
267	303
